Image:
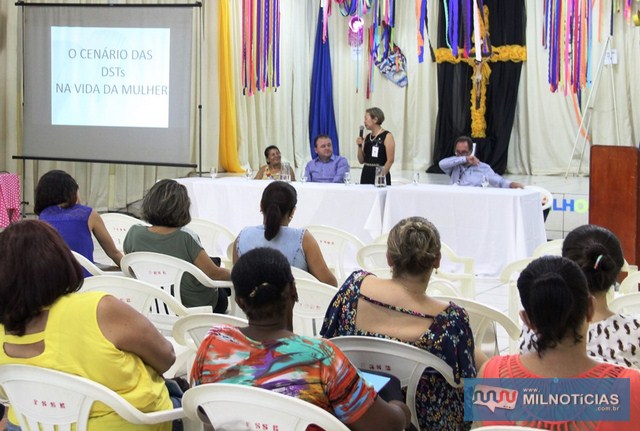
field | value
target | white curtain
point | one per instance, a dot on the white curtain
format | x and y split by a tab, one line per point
543	136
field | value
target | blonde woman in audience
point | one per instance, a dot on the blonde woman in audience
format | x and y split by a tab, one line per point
613	338
271	171
400	309
45	322
269	355
166	208
558	309
278	205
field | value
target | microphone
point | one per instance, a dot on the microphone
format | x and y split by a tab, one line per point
473	151
361	131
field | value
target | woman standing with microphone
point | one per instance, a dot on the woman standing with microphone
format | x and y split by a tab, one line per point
377	149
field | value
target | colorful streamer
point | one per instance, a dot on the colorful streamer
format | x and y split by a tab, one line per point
260	45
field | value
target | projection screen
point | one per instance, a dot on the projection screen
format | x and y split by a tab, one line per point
107	83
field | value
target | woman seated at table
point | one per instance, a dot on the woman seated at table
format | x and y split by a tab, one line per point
273	168
278	204
44	322
400	309
269	355
166	208
613	338
57	202
558	308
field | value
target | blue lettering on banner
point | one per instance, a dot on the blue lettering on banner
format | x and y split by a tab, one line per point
553	399
579	206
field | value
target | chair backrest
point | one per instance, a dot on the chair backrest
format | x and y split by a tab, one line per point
405	362
157	305
382	239
299	274
441	287
549	248
483	320
626	304
238	408
631	283
546	198
314	298
190	330
91	267
464	274
339	249
43	399
372	256
214	237
509	276
117	225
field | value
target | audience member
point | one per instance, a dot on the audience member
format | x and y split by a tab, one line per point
273	168
278	204
613	338
465	169
269	355
166	208
558	307
57	202
400	309
378	149
44	322
326	167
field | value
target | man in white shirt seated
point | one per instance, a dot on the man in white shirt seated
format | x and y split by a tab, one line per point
327	167
465	169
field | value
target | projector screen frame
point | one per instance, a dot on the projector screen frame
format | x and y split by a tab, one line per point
198	95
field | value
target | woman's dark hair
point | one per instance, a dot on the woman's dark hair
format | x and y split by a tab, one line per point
598	252
377	114
261	277
554	294
55	188
278	200
36	268
167	204
413	246
266	151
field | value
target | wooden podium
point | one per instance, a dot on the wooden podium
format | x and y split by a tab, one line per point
614	195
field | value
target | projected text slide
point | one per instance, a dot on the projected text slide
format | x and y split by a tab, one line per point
108	76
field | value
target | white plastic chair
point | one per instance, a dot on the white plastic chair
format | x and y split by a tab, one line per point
91	267
339	249
441	287
405	362
314	298
239	408
382	239
483	320
117	225
300	274
166	272
630	284
43	399
626	304
546	198
372	256
549	248
189	331
466	278
509	276
214	237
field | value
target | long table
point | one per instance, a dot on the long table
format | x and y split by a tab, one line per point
494	226
235	203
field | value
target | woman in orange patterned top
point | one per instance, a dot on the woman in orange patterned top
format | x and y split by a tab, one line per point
269	355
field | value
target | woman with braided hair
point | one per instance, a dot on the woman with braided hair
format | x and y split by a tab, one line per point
613	338
400	309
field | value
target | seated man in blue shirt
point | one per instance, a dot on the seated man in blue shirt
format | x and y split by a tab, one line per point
466	170
327	167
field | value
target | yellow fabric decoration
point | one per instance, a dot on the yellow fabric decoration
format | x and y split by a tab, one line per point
228	144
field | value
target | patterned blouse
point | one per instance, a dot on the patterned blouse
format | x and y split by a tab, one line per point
307	368
438	406
615	339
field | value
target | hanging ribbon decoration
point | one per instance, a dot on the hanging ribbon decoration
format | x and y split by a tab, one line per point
260	45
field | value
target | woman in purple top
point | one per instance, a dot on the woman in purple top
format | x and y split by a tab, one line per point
57	203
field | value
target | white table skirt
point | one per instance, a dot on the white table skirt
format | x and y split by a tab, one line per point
235	203
494	226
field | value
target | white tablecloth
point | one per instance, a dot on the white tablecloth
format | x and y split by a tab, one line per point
494	226
235	203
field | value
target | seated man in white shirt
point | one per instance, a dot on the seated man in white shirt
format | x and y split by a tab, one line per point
327	167
465	169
